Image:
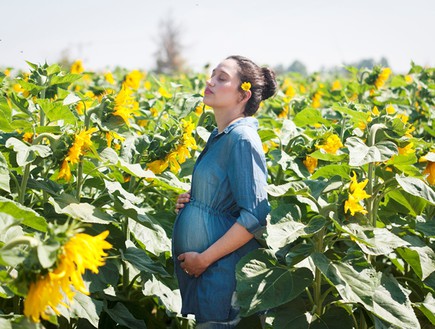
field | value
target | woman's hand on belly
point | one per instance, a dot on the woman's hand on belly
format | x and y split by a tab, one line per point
193	263
181	200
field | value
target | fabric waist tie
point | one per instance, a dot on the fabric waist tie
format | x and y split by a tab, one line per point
205	207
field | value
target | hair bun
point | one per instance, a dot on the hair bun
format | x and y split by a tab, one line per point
270	84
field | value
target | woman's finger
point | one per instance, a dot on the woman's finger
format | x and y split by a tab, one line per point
181	200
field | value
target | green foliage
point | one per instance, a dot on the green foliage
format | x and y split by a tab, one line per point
350	240
370	266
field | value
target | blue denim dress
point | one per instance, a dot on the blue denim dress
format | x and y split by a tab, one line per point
228	186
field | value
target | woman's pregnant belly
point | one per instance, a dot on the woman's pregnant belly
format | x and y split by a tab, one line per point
197	228
190	231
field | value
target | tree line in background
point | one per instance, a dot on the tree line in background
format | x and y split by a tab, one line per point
169	58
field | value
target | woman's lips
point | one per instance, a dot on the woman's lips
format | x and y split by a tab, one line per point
207	91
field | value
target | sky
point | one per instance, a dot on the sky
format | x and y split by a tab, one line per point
319	33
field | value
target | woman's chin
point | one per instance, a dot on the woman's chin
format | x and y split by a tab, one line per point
206	100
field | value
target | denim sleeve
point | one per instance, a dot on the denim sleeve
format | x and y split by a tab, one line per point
248	179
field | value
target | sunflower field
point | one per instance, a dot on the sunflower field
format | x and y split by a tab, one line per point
91	164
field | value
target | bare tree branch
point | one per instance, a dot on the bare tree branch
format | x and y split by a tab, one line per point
169	59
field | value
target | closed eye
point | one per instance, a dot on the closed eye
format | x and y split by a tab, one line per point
221	76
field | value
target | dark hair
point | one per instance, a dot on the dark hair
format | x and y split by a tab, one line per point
262	80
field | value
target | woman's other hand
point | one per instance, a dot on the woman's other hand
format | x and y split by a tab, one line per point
181	200
193	263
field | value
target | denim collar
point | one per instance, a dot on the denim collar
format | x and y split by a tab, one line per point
246	121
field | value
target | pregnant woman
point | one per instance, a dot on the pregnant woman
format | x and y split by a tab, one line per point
227	203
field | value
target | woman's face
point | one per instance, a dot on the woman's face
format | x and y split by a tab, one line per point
222	89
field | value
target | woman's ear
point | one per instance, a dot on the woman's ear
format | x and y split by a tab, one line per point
245	96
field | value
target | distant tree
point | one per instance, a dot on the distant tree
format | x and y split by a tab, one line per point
384	62
279	69
369	63
298	67
168	56
365	63
65	61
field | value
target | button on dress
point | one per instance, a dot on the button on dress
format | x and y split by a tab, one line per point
228	186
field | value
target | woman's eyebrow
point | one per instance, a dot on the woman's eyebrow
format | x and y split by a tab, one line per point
218	71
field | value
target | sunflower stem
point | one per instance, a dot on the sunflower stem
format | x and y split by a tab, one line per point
80	164
24	181
40	137
52	138
343	123
280	174
79	178
362	321
317	289
125	270
371	183
27	240
16	304
41	112
371	177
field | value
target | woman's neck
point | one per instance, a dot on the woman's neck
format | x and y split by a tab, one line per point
223	120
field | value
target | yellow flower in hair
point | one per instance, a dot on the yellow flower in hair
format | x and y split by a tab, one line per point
246	86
